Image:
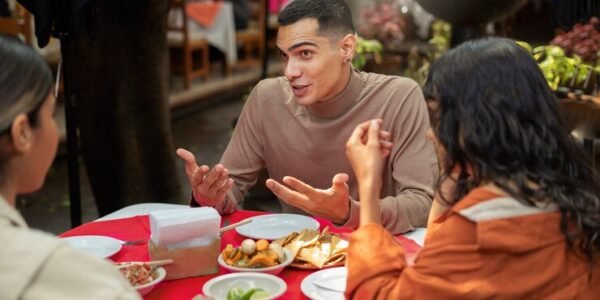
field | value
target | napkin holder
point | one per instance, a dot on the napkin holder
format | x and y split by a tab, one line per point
190	237
188	261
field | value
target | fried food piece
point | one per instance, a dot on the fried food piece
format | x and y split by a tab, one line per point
262	245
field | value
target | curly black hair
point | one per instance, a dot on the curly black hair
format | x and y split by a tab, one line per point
495	113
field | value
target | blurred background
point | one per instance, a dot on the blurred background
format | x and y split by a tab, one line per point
139	79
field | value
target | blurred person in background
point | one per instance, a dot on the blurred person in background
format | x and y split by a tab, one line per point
35	264
241	13
517	212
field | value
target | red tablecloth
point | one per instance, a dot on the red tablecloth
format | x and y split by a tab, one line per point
138	228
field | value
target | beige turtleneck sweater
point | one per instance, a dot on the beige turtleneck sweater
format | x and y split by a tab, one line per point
276	133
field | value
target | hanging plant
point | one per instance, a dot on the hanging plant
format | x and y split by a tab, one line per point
365	48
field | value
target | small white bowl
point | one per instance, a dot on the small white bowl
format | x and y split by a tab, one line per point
274	270
159	273
148	287
218	287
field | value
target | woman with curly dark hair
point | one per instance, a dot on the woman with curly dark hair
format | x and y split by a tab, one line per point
518	203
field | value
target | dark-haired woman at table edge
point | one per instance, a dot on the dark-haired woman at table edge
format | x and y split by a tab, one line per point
34	264
523	208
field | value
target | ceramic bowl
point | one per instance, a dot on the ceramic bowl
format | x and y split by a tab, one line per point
274	270
159	275
218	287
147	288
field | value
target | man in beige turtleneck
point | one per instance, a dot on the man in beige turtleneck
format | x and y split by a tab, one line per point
296	127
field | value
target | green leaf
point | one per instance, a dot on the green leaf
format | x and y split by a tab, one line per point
259	294
252	294
235	294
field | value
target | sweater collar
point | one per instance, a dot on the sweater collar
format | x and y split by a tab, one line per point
11	214
340	102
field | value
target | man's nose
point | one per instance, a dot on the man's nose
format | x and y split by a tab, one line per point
292	70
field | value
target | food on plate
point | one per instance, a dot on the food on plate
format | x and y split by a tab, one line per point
248	246
314	249
251	294
278	249
262	245
253	254
137	273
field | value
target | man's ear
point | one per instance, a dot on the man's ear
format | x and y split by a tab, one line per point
21	133
348	47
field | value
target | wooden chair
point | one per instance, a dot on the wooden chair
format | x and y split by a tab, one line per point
251	39
18	25
188	54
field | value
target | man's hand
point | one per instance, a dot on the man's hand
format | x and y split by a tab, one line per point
332	203
209	186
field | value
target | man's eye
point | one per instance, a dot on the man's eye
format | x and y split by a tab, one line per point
306	54
283	55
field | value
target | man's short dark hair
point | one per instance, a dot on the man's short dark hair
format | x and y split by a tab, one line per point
334	16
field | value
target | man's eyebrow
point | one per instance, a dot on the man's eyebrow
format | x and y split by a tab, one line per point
295	46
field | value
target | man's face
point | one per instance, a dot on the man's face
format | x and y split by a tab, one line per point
315	66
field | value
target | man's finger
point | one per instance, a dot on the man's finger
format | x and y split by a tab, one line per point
199	174
188	158
339	181
298	185
213	175
285	194
224	189
221	180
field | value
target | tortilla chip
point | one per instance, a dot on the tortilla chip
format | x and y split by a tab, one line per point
315	255
315	247
286	239
334	259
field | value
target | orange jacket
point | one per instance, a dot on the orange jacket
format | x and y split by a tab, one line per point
477	250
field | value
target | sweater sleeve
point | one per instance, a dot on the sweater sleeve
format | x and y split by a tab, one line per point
243	155
412	165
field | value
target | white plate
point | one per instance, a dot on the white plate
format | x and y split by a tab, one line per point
333	278
218	287
275	226
97	245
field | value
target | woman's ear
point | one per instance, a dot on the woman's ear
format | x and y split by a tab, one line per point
21	134
348	47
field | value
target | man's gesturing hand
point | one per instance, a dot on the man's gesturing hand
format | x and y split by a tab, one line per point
209	186
332	203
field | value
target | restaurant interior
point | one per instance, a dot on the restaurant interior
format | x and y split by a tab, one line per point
209	54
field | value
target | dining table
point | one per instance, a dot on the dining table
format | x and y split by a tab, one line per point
137	227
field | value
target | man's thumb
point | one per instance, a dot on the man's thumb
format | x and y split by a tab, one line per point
339	180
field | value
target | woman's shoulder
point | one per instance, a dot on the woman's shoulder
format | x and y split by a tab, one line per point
40	261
